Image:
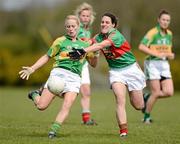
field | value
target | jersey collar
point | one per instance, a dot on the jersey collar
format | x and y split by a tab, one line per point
68	37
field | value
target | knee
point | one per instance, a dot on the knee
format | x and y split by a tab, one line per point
139	106
86	94
41	107
169	93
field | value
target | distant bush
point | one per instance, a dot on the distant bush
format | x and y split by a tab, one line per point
11	64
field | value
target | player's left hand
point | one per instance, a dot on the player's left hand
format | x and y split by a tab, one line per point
26	72
77	54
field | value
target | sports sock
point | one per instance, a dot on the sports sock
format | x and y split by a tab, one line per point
124	131
55	127
34	95
146	96
123	128
146	115
86	116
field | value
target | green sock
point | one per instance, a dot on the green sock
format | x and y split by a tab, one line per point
55	127
34	95
146	115
146	97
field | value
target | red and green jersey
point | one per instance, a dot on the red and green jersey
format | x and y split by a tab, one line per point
59	50
84	34
119	54
155	40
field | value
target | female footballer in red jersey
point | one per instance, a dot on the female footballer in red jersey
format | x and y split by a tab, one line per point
124	72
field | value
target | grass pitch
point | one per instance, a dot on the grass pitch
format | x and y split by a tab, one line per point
22	123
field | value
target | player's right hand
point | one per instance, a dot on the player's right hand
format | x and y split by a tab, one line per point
26	72
171	56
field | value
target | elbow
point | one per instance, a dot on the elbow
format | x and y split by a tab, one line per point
141	47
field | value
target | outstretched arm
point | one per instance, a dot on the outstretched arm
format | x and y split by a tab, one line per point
27	71
98	46
78	53
40	62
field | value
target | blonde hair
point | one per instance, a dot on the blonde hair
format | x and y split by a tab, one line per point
72	17
85	6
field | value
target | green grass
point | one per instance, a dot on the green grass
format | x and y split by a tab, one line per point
21	123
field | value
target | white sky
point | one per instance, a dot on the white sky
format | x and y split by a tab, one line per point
20	4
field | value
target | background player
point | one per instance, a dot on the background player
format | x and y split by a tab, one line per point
157	43
86	15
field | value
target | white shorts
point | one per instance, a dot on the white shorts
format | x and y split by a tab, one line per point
85	78
132	76
156	69
72	81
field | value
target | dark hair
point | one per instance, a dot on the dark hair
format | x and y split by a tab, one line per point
114	20
163	12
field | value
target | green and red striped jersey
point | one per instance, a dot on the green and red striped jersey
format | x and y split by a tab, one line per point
119	54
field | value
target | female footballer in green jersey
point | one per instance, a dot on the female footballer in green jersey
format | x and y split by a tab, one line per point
157	43
124	72
66	69
86	14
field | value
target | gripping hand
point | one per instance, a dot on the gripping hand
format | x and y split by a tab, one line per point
26	72
76	54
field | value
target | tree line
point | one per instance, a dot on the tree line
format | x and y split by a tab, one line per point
21	42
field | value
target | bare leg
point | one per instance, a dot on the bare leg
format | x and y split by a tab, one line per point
136	99
85	99
155	88
69	99
43	101
167	88
159	89
119	90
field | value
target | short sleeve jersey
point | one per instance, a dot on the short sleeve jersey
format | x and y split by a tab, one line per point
59	49
119	54
154	38
83	33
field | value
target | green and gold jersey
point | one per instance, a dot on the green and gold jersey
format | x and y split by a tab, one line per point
60	49
158	42
119	54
